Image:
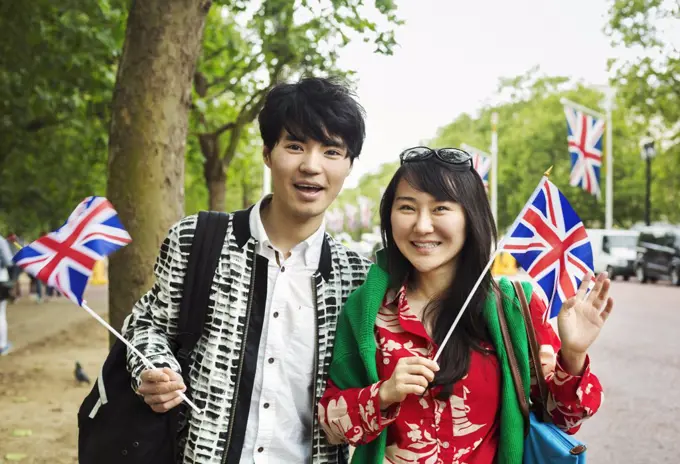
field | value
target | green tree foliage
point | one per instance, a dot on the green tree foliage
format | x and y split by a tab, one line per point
648	85
57	69
532	135
248	50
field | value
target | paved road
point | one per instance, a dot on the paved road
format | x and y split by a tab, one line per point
637	359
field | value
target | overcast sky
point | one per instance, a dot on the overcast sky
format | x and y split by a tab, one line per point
451	55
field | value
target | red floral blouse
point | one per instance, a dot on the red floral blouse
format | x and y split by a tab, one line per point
464	428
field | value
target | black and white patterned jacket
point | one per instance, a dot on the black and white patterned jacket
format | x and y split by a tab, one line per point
222	370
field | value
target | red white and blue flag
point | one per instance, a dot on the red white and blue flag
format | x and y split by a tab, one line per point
482	165
64	259
550	242
585	145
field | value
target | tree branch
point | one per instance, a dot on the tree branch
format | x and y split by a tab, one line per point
229	71
220	93
224	128
247	114
217	132
253	106
219	80
200	84
251	66
216	53
41	123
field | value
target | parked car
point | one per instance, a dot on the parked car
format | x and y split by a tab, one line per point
658	254
614	251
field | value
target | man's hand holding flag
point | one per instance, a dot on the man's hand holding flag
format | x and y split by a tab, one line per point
66	257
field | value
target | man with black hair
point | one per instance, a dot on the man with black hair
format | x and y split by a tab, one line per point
260	367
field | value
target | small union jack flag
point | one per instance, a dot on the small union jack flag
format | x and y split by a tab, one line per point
65	258
482	165
584	133
365	211
550	242
351	216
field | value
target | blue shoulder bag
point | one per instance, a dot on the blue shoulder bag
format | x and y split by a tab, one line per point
544	442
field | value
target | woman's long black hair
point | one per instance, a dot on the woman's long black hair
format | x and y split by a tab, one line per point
446	183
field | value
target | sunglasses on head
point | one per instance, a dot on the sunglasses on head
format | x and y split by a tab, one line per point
453	156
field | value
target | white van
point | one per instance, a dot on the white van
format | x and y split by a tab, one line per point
614	251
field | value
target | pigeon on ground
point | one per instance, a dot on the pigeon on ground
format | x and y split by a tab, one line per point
80	374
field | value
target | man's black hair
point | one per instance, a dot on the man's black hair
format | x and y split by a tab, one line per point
316	108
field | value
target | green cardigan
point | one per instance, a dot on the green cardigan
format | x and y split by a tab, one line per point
354	363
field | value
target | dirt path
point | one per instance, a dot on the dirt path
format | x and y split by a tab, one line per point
38	392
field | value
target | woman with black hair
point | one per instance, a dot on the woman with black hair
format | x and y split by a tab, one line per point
386	395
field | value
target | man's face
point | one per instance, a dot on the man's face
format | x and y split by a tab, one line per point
307	175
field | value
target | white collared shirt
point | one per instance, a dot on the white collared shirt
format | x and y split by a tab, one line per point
280	418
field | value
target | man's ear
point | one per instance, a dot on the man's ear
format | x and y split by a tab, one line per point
267	157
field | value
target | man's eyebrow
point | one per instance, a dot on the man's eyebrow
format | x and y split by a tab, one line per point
326	142
292	138
335	143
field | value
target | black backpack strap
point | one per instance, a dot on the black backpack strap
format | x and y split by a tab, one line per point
206	247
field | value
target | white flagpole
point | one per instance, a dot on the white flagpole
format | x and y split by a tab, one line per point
494	167
470	148
134	350
499	248
467	302
609	201
582	108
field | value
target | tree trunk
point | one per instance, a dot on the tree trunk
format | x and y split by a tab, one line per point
215	169
148	134
217	190
213	172
245	189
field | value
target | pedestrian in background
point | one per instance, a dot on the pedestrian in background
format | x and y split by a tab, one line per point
6	292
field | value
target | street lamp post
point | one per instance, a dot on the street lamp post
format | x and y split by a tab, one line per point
648	190
494	166
648	152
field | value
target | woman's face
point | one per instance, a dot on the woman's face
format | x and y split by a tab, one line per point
428	232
